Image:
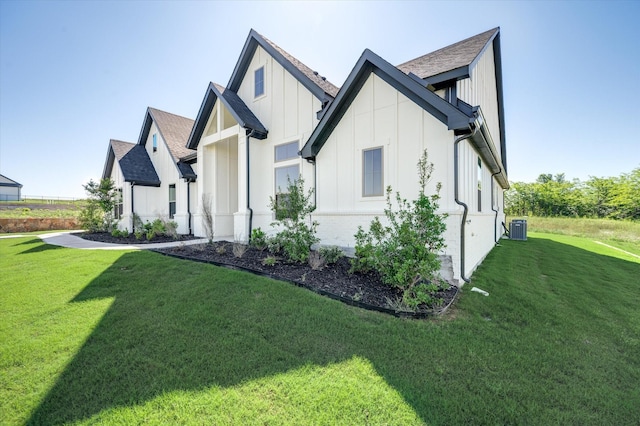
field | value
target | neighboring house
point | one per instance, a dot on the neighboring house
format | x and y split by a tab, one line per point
278	118
9	189
154	179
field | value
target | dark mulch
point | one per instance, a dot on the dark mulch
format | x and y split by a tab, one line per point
335	281
105	237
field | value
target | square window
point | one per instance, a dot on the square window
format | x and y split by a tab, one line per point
259	82
372	178
287	151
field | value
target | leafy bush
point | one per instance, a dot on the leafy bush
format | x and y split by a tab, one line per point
258	239
405	252
331	254
291	212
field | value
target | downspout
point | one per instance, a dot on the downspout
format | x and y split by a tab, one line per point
189	205
249	133
460	203
133	221
495	221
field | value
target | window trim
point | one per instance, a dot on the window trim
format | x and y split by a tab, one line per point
364	151
257	95
175	205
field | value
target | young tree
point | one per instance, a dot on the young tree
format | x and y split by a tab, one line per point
102	199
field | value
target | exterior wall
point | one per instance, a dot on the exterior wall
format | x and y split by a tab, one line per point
380	116
481	89
154	201
119	183
288	111
9	193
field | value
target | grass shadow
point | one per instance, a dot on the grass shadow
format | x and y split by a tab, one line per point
176	325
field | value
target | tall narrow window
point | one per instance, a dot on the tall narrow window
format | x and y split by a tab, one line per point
118	208
372	179
259	82
479	184
155	142
172	201
284	175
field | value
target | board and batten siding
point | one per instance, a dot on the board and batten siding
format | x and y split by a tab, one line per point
481	89
288	110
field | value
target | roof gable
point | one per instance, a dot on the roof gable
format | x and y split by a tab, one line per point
5	181
236	106
315	83
452	62
134	161
174	130
369	62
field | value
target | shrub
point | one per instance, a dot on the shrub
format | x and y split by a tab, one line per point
293	215
331	254
405	252
269	261
97	215
239	249
258	239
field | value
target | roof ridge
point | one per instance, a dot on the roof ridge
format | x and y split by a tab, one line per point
170	113
458	43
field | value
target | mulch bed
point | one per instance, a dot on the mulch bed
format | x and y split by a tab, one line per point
105	237
335	281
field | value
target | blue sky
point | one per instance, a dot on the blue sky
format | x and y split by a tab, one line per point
75	74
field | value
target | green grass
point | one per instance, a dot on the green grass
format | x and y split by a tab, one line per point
26	213
134	337
600	229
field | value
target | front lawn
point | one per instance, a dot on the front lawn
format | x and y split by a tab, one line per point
137	337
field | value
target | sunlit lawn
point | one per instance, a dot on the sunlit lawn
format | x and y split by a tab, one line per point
136	337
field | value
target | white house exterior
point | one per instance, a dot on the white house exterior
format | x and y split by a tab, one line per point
152	176
9	189
277	117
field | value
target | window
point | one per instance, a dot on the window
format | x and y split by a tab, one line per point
372	180
259	82
172	201
283	176
287	151
155	142
479	184
118	208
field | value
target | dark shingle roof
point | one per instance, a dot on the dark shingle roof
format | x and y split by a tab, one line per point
134	162
236	106
315	83
458	55
175	131
314	76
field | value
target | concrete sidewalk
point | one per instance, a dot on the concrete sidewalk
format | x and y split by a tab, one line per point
70	240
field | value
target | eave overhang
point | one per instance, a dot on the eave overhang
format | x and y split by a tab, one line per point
251	44
236	106
369	63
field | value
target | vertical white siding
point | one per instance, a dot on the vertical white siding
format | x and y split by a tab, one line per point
481	89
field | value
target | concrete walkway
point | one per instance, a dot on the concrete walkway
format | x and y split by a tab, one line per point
70	240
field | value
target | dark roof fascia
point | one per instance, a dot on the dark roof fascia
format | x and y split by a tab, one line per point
370	62
483	142
233	103
497	56
108	164
190	159
253	41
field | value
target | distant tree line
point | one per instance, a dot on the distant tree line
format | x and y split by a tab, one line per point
612	197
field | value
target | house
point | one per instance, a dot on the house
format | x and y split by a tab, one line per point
155	176
9	189
277	119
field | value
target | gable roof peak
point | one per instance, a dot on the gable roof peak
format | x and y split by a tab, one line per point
461	55
313	81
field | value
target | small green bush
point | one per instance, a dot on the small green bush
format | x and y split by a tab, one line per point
405	252
258	239
293	217
331	254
